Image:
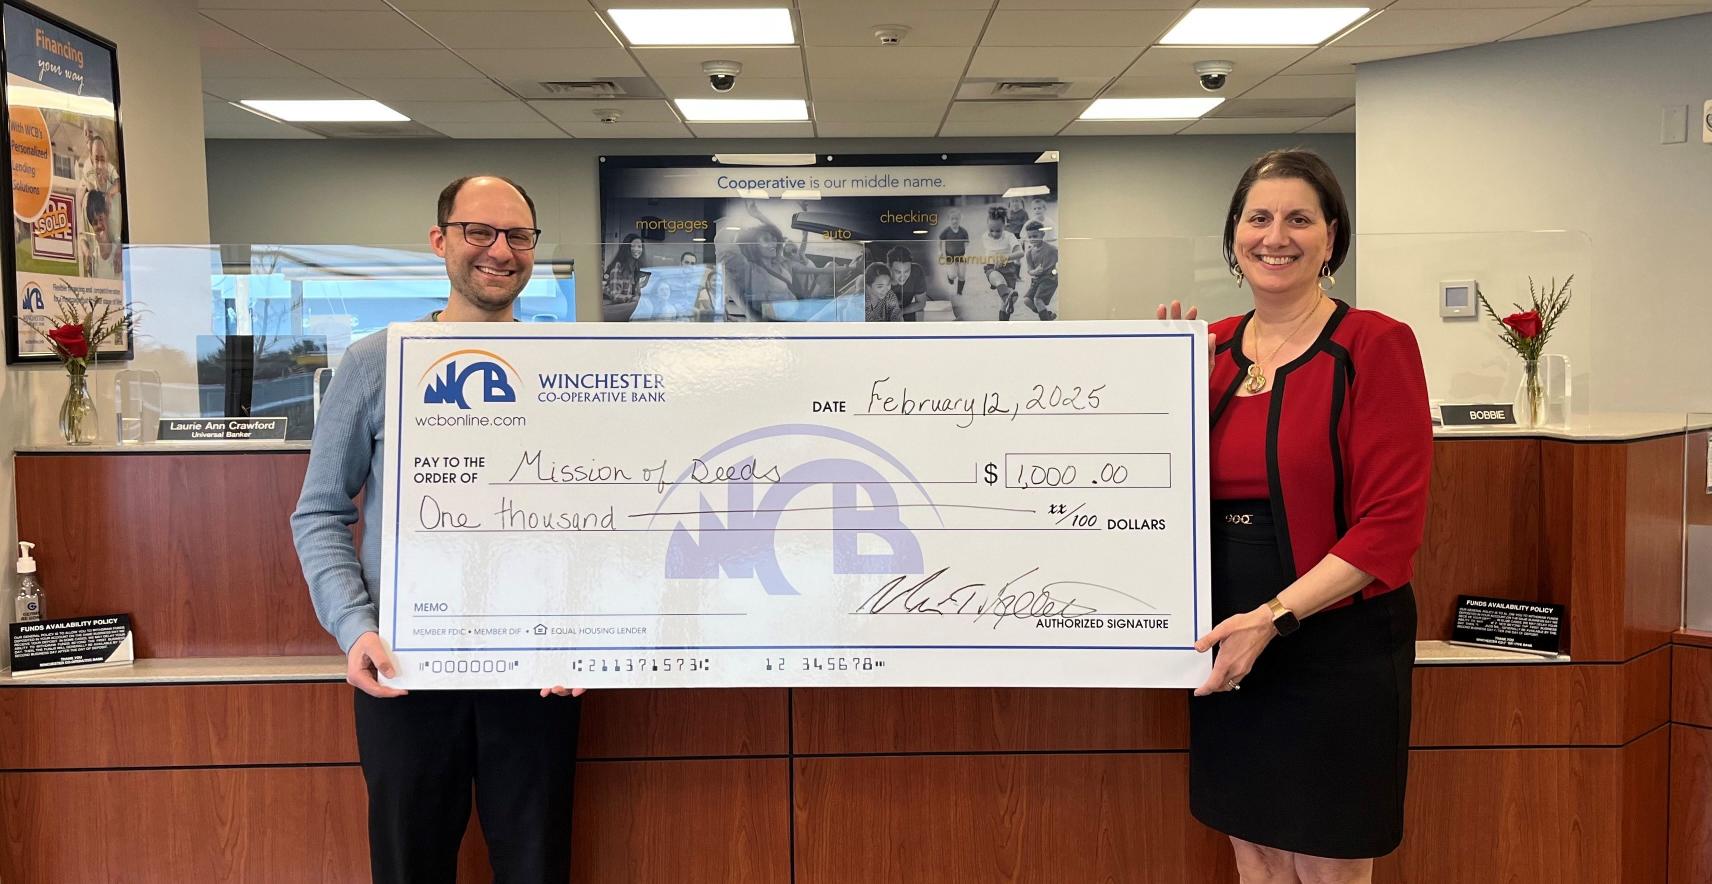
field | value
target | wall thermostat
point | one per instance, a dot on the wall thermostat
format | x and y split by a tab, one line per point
1457	297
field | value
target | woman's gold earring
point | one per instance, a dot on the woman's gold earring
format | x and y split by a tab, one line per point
1236	272
1328	281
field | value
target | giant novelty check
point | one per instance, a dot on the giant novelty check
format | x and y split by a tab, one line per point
742	505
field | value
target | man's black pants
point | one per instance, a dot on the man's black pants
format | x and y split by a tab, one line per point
422	752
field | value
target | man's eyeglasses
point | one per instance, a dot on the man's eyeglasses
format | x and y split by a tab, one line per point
483	235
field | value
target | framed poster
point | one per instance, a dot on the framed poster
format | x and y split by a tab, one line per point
65	243
807	237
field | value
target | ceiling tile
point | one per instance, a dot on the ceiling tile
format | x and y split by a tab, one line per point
210	34
579	111
491	29
1136	127
301	29
239	88
987	129
411	6
1587	18
1305	86
1046	63
295	4
888	62
351	63
1077	28
538	129
1280	107
1250	126
887	89
1099	4
1409	27
835	129
622	129
1171	87
882	7
1338	122
551	64
853	25
222	120
981	88
427	88
1253	64
432	112
1480	4
1340	59
1028	113
757	61
747	87
753	130
878	111
256	62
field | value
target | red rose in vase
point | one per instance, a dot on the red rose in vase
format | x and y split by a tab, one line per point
1526	325
70	339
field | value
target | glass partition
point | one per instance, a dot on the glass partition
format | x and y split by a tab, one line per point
258	329
1697	523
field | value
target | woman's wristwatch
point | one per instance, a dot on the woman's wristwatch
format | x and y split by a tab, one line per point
1284	620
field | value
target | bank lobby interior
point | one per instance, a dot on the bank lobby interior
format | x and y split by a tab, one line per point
1498	140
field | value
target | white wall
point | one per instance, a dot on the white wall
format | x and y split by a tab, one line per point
1558	133
161	112
1137	187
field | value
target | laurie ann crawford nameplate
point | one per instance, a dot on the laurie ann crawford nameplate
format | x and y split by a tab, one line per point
668	506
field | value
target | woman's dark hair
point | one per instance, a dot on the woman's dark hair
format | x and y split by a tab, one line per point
873	270
623	258
1302	165
94	205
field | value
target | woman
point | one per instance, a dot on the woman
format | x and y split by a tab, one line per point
1321	448
880	301
624	276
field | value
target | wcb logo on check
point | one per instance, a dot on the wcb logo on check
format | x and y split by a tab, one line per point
453	372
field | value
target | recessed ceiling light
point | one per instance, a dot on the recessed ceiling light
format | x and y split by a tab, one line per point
1149	108
704	27
743	110
341	111
1261	27
1027	190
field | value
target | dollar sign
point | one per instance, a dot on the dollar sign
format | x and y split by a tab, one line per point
992	472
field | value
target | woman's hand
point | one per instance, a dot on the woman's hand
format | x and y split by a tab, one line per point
562	691
1175	311
1240	639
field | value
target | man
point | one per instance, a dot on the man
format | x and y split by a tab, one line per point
422	752
909	283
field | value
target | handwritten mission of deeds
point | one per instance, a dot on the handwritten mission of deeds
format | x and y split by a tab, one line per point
792	505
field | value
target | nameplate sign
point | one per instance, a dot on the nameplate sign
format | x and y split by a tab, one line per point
1478	415
222	429
45	646
1507	623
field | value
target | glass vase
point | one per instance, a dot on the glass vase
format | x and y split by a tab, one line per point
1530	396
77	412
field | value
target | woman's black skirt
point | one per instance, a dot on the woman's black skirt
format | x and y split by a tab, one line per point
1312	754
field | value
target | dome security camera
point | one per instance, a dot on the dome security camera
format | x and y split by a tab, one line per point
1213	74
721	75
608	115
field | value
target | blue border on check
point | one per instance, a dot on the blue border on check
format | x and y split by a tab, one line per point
1194	501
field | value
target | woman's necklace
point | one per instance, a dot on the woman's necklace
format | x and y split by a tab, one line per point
1256	378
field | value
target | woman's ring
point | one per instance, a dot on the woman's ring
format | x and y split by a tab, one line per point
1233	685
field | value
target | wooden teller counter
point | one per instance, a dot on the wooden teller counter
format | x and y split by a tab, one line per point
226	752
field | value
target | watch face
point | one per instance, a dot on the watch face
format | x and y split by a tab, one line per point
1285	623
